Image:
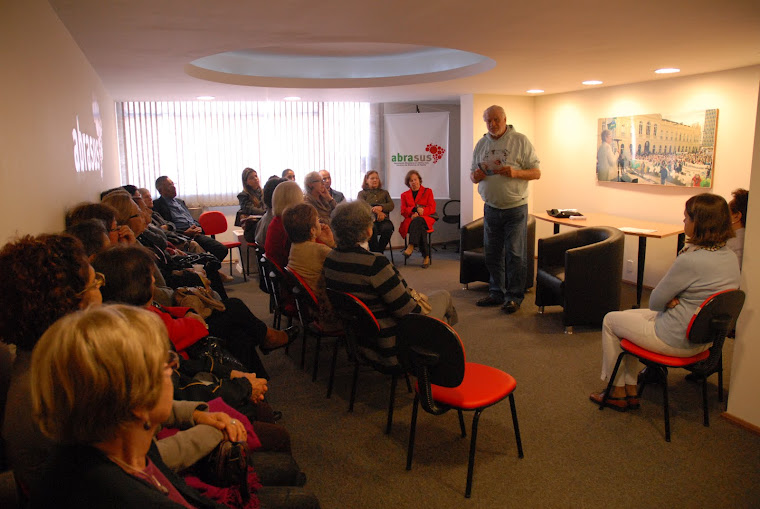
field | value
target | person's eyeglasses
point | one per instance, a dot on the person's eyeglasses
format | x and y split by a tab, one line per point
100	280
172	360
134	216
316	181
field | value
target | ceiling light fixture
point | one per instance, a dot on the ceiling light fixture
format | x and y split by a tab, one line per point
667	70
592	82
535	91
205	97
291	98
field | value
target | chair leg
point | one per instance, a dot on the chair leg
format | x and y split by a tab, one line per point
408	382
332	369
704	402
430	247
389	424
513	408
461	423
412	429
303	349
245	270
353	387
390	248
471	463
405	246
720	379
229	253
666	409
316	358
612	379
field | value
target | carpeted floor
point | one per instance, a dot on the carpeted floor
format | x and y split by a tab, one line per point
575	455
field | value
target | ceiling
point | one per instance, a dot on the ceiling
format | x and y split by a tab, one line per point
142	49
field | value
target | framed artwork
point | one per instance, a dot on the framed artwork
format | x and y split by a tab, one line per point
658	149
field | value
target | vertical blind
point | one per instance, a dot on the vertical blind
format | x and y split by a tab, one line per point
204	146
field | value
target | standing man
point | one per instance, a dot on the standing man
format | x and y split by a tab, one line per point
606	158
173	209
289	174
327	179
502	164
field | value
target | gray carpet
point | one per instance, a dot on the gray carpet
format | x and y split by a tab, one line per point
575	455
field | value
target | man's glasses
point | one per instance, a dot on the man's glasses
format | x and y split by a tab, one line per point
100	280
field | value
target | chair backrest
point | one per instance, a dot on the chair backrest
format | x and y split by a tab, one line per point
449	217
261	264
432	351
306	299
359	323
715	317
279	281
213	222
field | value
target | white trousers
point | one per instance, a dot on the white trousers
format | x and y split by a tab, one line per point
637	326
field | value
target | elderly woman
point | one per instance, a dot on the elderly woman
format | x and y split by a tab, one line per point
380	201
318	196
307	256
101	387
277	245
704	267
418	210
47	277
263	225
371	278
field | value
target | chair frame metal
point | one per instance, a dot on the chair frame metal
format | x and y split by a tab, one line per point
229	245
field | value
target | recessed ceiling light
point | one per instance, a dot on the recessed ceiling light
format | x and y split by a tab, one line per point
291	98
667	70
592	82
205	97
535	91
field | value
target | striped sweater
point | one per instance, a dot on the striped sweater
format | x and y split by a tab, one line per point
377	283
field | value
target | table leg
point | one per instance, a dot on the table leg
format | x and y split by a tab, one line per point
640	270
556	228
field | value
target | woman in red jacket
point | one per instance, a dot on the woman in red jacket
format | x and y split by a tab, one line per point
418	209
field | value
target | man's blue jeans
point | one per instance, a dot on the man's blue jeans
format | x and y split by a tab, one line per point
504	237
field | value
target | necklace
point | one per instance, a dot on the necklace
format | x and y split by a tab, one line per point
136	472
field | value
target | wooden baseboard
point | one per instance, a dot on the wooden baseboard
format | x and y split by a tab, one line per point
741	423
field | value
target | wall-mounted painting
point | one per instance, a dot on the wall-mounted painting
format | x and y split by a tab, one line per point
665	150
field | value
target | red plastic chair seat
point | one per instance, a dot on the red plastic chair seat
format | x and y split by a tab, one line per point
665	360
231	245
482	386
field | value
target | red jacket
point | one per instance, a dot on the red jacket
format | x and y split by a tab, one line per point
424	198
183	331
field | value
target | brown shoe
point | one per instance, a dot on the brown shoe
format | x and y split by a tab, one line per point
408	251
619	404
426	262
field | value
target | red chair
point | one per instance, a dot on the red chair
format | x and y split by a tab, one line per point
214	222
362	330
307	305
710	324
432	351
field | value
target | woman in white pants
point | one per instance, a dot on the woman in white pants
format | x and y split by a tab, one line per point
705	266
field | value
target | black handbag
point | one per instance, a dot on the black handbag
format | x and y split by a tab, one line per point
215	348
227	466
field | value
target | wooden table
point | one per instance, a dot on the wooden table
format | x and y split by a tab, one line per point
636	227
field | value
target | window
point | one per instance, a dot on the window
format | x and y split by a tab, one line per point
204	146
641	127
649	128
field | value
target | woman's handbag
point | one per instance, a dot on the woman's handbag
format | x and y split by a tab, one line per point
422	301
227	465
199	299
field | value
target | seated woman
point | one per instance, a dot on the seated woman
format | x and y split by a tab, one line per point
307	256
705	266
418	209
277	245
263	225
371	278
378	198
318	196
102	388
250	199
738	207
47	277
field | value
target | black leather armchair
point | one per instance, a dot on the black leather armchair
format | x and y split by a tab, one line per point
472	260
582	271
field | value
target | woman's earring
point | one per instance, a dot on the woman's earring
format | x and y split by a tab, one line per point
146	425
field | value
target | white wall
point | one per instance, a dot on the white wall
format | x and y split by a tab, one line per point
566	141
47	82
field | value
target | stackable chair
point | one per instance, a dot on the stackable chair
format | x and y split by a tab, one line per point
451	218
281	294
307	306
214	222
432	351
362	329
712	321
264	283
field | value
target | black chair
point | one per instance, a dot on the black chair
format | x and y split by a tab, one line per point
361	331
307	305
281	294
472	259
451	218
710	324
582	271
432	351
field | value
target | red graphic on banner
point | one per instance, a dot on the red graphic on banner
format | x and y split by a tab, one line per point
436	151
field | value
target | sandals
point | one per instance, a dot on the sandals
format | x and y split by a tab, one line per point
618	404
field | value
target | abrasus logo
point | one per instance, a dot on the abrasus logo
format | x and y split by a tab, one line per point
436	150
